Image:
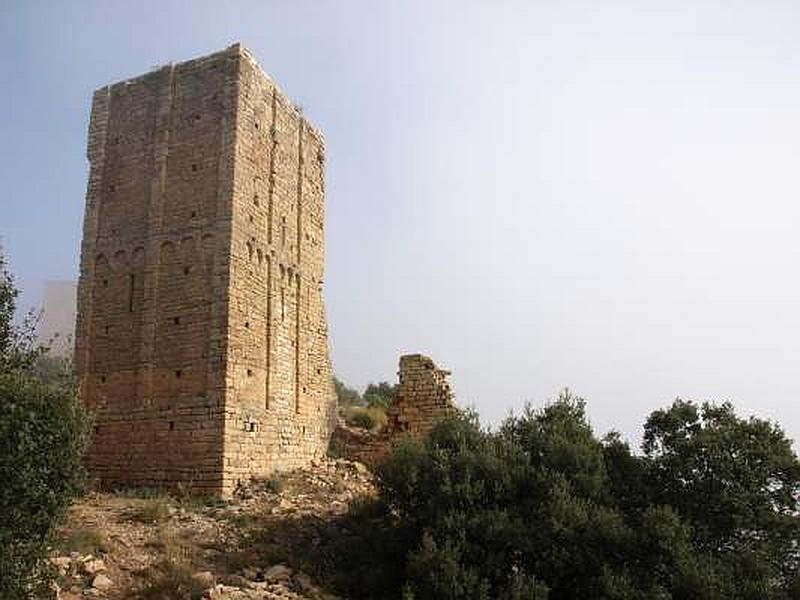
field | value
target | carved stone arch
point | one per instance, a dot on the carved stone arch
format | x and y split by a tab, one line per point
120	262
167	253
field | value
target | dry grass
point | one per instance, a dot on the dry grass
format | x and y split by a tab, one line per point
84	540
171	577
372	418
151	511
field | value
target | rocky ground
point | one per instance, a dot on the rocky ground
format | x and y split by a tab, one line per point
261	544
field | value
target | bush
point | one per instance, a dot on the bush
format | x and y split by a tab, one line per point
346	396
365	418
544	509
380	395
43	434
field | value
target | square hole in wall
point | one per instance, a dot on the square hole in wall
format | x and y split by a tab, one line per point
102	378
176	320
178	373
171	425
187	270
194	166
249	372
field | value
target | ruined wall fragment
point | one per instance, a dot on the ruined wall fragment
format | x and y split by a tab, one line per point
424	398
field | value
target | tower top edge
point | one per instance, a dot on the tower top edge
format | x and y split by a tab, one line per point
235	50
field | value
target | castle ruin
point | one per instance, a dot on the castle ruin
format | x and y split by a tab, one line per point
201	339
424	398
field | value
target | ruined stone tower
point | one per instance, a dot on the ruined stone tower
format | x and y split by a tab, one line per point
201	340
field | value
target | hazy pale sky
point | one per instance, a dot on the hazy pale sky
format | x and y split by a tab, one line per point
601	195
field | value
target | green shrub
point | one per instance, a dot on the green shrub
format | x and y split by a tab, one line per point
346	396
43	435
365	418
380	395
541	508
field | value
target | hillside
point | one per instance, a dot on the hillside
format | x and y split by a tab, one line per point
255	546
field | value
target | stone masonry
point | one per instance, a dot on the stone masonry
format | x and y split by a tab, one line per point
423	399
201	338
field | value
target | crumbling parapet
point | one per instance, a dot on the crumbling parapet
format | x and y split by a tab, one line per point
424	398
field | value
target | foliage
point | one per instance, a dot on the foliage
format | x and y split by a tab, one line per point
542	508
346	396
366	418
380	395
43	433
376	395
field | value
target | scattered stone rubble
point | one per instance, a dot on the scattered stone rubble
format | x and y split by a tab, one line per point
324	490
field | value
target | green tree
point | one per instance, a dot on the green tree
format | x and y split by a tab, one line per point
345	395
43	434
736	482
542	508
380	395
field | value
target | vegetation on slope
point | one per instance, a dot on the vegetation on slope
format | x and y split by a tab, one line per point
367	410
544	509
43	433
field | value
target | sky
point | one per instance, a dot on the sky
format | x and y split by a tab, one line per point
538	195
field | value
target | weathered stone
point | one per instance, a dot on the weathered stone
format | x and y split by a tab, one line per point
93	567
201	338
277	573
102	582
423	399
205	579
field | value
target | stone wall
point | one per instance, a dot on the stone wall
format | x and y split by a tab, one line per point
423	399
201	341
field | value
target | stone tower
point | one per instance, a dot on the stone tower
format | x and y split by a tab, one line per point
201	339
